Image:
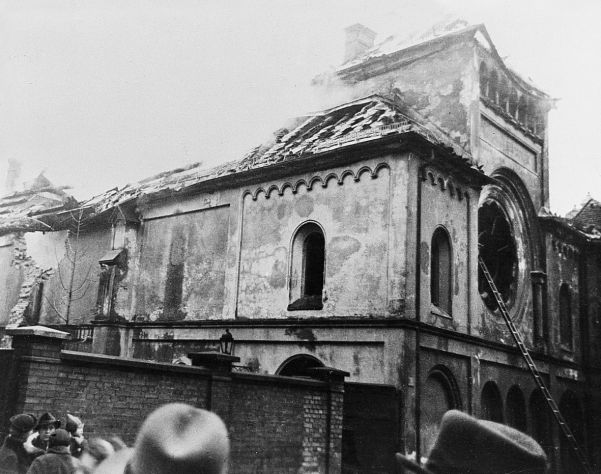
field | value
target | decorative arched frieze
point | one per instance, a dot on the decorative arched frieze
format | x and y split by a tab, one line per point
444	183
310	183
564	250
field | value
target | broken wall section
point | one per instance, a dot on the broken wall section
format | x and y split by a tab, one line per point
439	84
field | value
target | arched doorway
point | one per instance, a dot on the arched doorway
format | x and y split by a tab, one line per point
297	365
515	410
570	408
491	403
540	421
439	394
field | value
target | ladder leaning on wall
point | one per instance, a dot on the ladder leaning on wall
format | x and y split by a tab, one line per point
534	371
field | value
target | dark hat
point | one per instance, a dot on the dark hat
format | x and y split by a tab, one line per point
175	439
23	422
60	438
466	444
47	419
73	423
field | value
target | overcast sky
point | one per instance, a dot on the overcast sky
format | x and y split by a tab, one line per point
99	93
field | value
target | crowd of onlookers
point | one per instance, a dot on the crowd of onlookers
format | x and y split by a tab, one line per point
175	438
180	439
40	446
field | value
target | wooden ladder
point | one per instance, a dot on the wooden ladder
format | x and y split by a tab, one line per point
565	429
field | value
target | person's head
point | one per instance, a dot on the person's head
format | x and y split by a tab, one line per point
47	425
74	425
175	439
96	451
21	426
58	438
466	444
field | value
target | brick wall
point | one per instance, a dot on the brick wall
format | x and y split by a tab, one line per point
7	392
276	424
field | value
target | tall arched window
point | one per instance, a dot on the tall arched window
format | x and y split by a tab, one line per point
493	83
516	409
565	315
540	421
571	409
440	271
513	102
438	396
491	403
307	268
483	80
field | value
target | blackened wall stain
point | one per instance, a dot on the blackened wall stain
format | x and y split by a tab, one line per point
305	335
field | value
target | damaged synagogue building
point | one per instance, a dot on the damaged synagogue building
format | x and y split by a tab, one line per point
350	241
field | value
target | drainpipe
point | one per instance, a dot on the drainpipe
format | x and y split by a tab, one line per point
418	232
469	262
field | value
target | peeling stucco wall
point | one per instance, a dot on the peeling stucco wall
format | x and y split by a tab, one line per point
182	266
445	205
353	208
562	267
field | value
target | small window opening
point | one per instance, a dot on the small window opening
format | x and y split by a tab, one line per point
440	271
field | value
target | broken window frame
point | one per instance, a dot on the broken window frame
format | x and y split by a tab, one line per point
504	271
108	264
301	271
34	311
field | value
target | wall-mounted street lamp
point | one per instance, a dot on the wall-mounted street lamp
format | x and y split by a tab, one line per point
226	343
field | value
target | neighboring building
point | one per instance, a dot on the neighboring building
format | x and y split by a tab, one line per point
352	240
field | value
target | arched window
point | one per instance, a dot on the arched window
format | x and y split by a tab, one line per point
541	421
503	95
483	80
522	110
492	87
516	409
570	408
512	104
437	397
491	403
441	271
565	315
307	268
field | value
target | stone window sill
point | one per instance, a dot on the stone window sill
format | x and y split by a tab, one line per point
435	310
306	303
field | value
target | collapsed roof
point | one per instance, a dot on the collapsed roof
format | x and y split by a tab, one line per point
360	121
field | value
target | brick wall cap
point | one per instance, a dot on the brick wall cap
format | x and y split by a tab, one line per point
327	373
38	331
208	357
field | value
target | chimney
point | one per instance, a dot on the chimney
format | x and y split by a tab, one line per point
12	175
359	39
